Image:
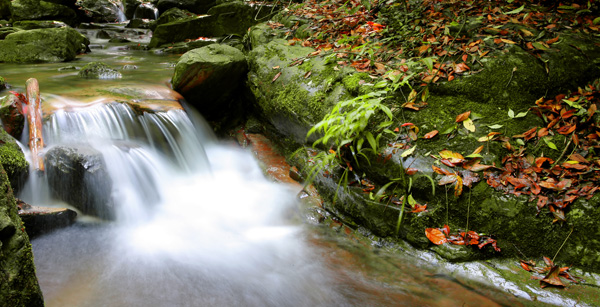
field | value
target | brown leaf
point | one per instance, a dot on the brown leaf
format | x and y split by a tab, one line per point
463	116
440	171
435	236
447	179
411	171
276	76
552	278
453	157
552	41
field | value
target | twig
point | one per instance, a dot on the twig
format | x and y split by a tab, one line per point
563	244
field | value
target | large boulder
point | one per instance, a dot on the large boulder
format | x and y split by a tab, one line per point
130	6
13	161
208	77
194	6
292	90
145	11
19	286
77	175
42	10
236	17
180	30
42	45
171	15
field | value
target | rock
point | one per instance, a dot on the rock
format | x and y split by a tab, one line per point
98	70
38	24
19	286
4	31
146	11
180	30
236	17
139	24
171	15
40	220
194	6
11	115
130	6
42	45
102	10
209	76
77	175
42	10
102	34
13	161
291	102
183	47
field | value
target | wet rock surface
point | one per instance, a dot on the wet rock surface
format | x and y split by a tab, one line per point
40	220
78	176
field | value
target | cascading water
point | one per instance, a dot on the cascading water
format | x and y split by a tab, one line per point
196	222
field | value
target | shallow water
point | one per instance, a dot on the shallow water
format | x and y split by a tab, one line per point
199	225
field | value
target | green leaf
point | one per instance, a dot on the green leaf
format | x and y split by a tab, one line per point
573	104
522	114
371	140
596	21
428	62
520	142
539	46
380	192
511	113
411	200
516	11
474	156
495	126
550	144
566	7
408	152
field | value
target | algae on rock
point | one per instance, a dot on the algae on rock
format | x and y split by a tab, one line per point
19	286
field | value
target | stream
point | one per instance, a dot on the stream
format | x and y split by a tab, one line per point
198	224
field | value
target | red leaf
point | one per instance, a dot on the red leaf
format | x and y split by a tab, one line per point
411	171
552	278
435	236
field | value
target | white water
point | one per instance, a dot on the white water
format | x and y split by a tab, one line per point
197	223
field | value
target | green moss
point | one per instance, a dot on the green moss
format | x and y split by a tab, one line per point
13	160
19	286
2	83
353	83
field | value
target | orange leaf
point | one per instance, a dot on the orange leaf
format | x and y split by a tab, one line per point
423	48
430	134
453	157
435	236
478	150
464	57
461	67
463	116
411	171
440	171
552	41
552	278
508	41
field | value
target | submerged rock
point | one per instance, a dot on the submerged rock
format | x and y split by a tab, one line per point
208	78
77	175
42	45
98	70
19	286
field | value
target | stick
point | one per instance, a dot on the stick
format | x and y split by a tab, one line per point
34	118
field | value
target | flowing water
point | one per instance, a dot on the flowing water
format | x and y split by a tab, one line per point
197	223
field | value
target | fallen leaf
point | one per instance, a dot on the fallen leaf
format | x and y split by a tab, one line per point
276	76
552	278
435	236
453	157
469	125
430	134
463	116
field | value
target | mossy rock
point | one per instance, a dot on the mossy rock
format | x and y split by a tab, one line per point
293	98
194	6
4	31
208	77
42	45
38	24
513	221
234	18
10	114
3	84
13	161
19	286
171	15
42	10
180	30
98	70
